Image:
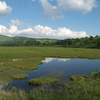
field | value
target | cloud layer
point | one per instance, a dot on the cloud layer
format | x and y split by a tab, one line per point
55	11
42	32
4	9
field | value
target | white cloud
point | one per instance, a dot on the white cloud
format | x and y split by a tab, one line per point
4	9
55	11
28	32
13	29
3	30
16	22
83	6
42	32
50	10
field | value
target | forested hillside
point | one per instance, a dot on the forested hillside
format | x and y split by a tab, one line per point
87	42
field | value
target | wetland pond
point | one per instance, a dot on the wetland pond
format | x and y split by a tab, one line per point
59	68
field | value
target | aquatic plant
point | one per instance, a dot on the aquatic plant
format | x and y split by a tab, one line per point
5	85
3	67
96	74
14	89
82	78
40	81
19	76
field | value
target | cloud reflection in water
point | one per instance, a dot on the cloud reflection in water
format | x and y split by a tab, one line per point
47	60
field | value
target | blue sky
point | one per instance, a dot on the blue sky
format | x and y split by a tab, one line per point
59	19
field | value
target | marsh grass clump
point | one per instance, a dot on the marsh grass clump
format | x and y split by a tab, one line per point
6	85
27	64
14	89
29	67
82	78
3	67
96	74
41	81
19	76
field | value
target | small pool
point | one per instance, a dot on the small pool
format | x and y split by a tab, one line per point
54	67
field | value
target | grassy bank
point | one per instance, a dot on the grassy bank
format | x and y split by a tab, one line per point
71	91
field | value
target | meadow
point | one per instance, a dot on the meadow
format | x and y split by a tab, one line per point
8	53
17	60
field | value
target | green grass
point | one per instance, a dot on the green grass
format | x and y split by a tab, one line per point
31	52
41	81
96	74
6	75
72	91
19	76
82	78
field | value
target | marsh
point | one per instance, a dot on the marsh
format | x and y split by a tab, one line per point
60	68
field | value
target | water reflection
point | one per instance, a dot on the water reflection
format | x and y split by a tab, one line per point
47	60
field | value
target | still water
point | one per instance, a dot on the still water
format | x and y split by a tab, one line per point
53	67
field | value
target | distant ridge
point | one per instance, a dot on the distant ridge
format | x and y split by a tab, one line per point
8	39
87	42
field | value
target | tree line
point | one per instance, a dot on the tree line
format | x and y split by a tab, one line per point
87	42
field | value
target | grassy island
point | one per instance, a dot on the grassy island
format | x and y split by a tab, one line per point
19	76
82	78
41	81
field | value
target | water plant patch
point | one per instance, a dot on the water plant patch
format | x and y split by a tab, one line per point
82	78
19	76
41	81
96	74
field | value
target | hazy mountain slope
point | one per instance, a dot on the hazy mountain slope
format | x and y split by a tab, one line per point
6	39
